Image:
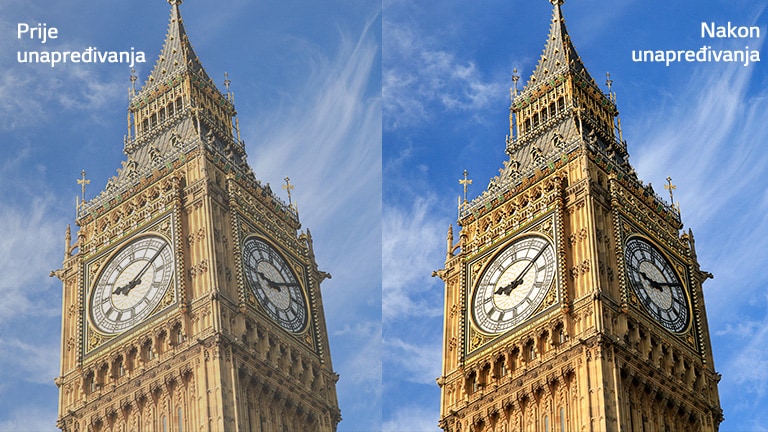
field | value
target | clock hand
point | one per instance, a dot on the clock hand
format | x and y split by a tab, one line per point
654	284
519	280
288	284
137	280
272	284
669	284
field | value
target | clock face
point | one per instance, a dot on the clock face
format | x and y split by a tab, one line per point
514	284
274	284
131	284
656	284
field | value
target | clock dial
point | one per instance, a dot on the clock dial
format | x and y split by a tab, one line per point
131	284
274	284
656	284
514	284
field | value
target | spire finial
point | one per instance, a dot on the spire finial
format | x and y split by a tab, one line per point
289	187
670	187
465	182
227	82
557	2
515	79
133	82
175	2
82	182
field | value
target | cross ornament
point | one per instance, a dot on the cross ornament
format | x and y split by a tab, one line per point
288	187
670	187
82	182
465	182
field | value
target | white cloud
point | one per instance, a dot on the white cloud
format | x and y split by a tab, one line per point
34	93
30	363
412	239
412	419
27	249
30	419
417	362
336	120
420	75
363	368
749	367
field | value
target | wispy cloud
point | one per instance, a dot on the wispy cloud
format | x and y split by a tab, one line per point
416	361
413	238
422	78
30	418
412	419
35	93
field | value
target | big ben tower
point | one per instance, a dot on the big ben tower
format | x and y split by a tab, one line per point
573	299
191	299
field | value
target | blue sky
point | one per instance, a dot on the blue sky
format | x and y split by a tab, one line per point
445	97
307	84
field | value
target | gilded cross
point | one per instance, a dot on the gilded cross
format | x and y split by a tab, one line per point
670	187
288	187
82	182
227	82
465	182
515	79
133	82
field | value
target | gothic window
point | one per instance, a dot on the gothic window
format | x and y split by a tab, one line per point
501	367
543	345
119	367
546	423
165	424
181	421
147	351
102	376
471	384
131	358
562	419
560	334
530	350
179	335
160	342
90	383
514	363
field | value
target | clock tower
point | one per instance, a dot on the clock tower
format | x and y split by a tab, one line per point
573	300
191	299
